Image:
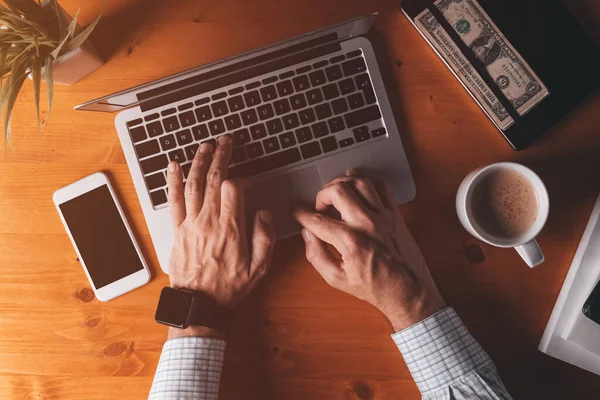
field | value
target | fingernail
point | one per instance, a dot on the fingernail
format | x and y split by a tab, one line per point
306	236
173	166
205	147
266	217
225	139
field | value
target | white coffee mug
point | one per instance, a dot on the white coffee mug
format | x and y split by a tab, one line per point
525	244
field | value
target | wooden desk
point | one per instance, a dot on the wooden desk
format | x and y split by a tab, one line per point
295	338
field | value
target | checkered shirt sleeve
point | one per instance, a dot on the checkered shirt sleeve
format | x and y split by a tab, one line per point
446	362
189	368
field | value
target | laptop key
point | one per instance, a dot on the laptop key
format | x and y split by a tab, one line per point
361	134
203	114
287	139
155	129
254	150
276	160
138	134
241	137
186	169
336	124
187	118
236	103
363	82
216	127
271	144
354	66
320	129
147	149
339	106
331	91
347	86
233	121
334	73
258	131
249	117
369	95
323	111
285	88
346	142
239	155
379	132
184	137
303	134
177	155
171	124
154	164
291	121
314	96
282	106
200	132
191	150
219	108
151	117
158	197
317	78
362	116
329	144
155	181
356	101
170	111
311	149
268	93
301	83
274	126
167	142
252	98
134	122
265	112
298	101
307	116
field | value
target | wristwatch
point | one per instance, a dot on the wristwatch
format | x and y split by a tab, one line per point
181	308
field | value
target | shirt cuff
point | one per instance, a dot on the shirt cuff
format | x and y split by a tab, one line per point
440	350
189	368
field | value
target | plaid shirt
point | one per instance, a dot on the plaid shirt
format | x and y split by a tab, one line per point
445	361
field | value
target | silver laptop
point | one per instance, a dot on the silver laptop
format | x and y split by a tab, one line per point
301	112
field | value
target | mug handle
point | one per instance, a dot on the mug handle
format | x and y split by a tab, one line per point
531	253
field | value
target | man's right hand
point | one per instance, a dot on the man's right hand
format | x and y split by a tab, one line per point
380	261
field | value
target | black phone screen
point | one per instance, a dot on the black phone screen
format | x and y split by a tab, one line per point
591	308
101	236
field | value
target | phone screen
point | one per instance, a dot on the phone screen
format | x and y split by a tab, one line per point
101	236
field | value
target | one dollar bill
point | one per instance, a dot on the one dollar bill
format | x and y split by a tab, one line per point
507	68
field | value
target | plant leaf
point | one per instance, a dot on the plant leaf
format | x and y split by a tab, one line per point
36	75
70	32
49	72
10	100
82	37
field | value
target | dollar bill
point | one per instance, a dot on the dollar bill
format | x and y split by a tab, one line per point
508	69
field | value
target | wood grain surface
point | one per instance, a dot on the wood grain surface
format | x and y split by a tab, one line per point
295	338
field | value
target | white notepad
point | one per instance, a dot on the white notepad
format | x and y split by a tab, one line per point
569	335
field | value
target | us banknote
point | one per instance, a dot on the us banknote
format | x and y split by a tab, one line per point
508	69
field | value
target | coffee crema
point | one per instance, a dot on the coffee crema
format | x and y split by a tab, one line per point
504	204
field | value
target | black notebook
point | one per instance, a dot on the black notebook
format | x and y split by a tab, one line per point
527	63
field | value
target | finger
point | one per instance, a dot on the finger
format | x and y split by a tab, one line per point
322	259
233	201
196	181
217	173
344	199
329	230
385	193
175	189
263	242
364	189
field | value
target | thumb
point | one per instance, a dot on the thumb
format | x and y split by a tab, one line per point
263	242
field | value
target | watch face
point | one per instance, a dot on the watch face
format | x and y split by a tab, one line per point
173	307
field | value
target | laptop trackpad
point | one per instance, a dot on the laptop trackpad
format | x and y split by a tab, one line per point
278	195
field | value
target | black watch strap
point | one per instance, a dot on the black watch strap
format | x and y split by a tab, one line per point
204	311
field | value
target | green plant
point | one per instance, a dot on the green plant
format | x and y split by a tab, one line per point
32	37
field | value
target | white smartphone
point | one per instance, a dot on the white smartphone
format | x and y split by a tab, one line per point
103	240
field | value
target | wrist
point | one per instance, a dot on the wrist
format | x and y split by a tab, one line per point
195	331
402	316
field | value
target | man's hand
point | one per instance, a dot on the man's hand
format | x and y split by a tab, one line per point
210	253
380	261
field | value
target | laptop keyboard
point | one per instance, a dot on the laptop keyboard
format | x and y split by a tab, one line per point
286	118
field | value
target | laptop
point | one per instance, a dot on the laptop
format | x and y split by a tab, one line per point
300	112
